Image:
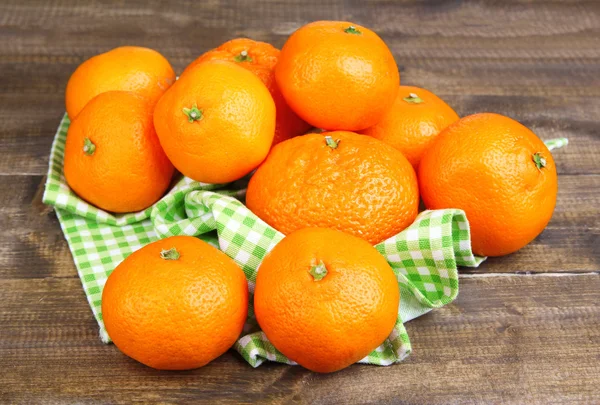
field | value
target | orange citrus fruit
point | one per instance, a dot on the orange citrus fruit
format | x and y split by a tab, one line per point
260	58
216	123
113	158
342	180
325	299
337	75
413	122
129	68
499	172
175	304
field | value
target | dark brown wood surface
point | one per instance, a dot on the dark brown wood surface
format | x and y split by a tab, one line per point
525	328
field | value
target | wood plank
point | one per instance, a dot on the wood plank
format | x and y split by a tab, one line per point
516	339
507	339
489	30
541	71
32	245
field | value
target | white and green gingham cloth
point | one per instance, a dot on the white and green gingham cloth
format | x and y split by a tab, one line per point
424	257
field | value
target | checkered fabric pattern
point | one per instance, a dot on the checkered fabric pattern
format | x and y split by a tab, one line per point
424	257
556	143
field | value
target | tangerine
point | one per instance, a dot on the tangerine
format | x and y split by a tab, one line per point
113	158
325	299
175	304
337	75
499	172
128	68
413	122
342	180
216	123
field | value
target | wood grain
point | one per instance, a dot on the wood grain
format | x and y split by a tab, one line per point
525	328
520	339
538	64
31	244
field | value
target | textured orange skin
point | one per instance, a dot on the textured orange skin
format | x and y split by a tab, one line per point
175	314
331	323
128	171
264	58
128	68
363	187
483	165
336	80
411	128
235	134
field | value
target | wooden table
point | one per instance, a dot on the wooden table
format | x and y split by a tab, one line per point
525	328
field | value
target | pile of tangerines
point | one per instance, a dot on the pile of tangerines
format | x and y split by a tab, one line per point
340	155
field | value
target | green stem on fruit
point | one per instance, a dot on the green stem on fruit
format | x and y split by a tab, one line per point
352	30
413	99
539	160
193	114
243	57
318	271
88	147
331	143
171	254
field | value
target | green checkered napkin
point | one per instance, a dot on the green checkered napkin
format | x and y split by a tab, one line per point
424	257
